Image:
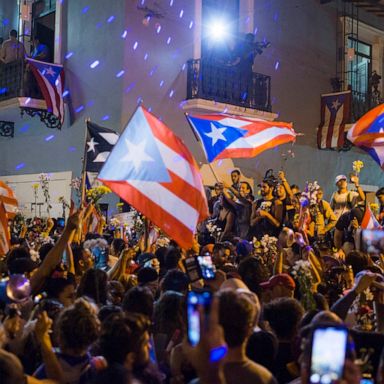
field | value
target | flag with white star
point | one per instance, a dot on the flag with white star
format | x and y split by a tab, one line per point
50	79
225	136
368	134
151	169
335	114
99	144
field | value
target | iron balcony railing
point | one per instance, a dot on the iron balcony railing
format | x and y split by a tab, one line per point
11	79
363	102
228	84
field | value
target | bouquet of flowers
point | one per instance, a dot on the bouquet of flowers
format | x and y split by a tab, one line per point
356	166
308	198
114	222
213	229
119	207
374	208
266	250
362	308
44	182
138	223
301	272
96	193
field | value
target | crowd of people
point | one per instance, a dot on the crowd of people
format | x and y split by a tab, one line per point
84	307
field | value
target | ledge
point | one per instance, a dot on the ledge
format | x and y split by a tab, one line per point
210	106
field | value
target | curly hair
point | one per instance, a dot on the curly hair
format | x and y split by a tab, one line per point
78	326
121	334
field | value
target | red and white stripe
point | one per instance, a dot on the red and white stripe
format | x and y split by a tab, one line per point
261	135
53	95
330	134
8	199
369	220
4	232
176	206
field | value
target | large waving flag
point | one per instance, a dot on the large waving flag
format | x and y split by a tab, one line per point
369	220
335	114
151	169
368	134
100	141
4	233
50	78
8	199
225	136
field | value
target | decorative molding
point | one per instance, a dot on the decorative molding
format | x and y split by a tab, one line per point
209	106
50	120
7	128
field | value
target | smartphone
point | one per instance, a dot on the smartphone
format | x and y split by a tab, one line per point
372	241
60	222
207	268
329	348
192	269
195	300
366	381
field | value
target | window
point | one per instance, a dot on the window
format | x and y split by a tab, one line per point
359	67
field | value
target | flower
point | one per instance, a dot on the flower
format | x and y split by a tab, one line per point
96	193
44	182
114	222
44	177
357	165
374	207
309	196
62	201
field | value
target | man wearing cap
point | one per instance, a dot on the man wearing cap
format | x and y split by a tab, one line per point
343	200
280	285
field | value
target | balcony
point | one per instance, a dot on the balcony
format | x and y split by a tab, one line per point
218	88
19	95
363	102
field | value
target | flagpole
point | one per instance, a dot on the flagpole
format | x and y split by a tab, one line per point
84	173
198	140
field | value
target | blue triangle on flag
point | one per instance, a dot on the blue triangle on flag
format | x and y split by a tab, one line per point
50	71
136	155
215	137
376	125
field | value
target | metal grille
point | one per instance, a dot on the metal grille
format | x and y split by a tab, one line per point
11	79
226	84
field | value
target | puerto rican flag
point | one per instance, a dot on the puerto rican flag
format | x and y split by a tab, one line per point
8	199
369	220
151	169
335	114
368	134
4	233
50	78
225	136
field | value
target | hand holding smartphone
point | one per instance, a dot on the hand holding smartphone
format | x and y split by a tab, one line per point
195	301
200	267
328	354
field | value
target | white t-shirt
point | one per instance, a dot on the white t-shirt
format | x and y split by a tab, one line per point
343	202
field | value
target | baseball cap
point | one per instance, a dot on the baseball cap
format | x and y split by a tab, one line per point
279	279
340	177
147	275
